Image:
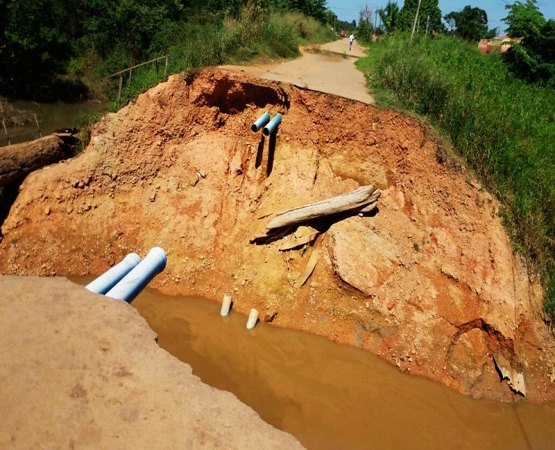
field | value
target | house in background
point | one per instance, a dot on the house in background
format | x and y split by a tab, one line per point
499	44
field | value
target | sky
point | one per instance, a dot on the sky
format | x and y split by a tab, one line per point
495	9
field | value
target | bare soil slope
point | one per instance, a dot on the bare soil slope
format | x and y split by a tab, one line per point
429	282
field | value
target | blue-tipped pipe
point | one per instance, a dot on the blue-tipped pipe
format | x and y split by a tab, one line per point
110	278
136	280
272	126
262	120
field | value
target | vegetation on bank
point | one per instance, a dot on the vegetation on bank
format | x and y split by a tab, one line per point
61	49
255	33
504	128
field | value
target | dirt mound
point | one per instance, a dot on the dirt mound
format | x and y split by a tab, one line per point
429	282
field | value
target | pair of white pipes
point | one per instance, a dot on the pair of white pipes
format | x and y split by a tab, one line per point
226	306
130	276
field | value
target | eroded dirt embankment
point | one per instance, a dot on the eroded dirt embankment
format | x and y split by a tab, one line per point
429	282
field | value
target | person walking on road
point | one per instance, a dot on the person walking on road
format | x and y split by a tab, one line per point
351	39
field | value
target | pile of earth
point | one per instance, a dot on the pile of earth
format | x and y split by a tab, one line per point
428	282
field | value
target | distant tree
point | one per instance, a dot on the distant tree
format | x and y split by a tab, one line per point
40	37
35	45
331	19
429	17
313	8
524	19
365	29
366	13
389	16
470	24
533	59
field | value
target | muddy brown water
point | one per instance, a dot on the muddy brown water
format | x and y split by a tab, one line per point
331	396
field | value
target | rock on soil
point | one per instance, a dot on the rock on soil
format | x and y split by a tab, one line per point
429	282
80	370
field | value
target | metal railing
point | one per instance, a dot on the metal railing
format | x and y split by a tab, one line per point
121	73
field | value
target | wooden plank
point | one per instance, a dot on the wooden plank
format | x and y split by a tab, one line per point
308	269
361	198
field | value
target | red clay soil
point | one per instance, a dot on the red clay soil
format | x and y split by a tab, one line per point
429	282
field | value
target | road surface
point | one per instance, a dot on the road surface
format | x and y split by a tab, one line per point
329	68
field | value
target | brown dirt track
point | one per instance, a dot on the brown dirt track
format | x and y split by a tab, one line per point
429	283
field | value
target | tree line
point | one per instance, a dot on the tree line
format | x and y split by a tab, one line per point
46	46
532	53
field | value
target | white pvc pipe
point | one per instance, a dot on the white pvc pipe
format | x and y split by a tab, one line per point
136	280
226	305
272	126
253	319
262	120
110	278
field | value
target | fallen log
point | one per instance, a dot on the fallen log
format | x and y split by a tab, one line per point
363	199
17	161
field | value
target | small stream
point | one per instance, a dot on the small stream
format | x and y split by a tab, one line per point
331	396
51	117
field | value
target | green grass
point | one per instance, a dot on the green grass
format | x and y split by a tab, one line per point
254	34
504	128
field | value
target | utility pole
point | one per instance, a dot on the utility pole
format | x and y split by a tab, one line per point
415	21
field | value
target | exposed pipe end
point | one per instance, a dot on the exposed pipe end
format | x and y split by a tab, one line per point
253	319
159	254
260	122
226	305
272	126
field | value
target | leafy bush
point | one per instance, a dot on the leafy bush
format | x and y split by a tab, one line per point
504	128
533	58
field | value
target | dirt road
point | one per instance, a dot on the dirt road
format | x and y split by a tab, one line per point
329	68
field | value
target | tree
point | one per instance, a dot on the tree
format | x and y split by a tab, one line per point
524	19
389	16
313	8
365	29
429	17
533	59
40	38
470	24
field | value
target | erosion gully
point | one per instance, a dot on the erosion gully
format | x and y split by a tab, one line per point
333	396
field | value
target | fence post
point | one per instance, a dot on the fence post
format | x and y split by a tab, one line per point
6	131
119	87
37	123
